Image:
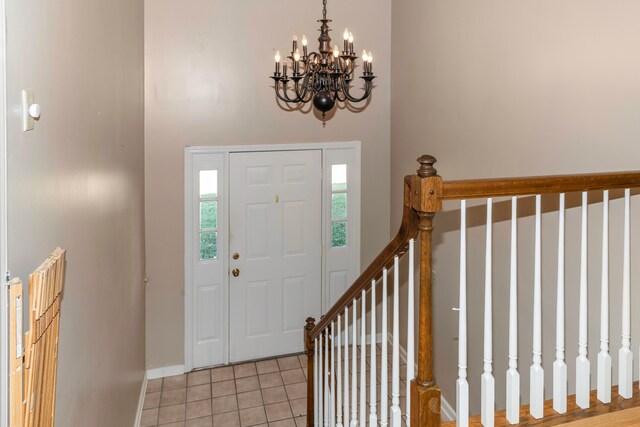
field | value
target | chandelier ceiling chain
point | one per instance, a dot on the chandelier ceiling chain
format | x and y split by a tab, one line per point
323	77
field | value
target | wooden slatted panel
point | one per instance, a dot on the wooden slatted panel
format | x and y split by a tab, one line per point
15	353
45	289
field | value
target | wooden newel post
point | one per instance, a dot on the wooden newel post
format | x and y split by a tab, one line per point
309	346
426	199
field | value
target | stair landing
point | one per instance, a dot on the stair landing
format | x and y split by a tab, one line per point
620	412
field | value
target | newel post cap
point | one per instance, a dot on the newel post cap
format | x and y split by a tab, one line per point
426	166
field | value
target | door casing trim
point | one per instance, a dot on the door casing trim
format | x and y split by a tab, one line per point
189	153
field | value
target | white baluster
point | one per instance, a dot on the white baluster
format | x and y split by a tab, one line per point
326	378
487	382
536	372
625	355
363	361
354	368
320	380
333	376
384	408
346	366
316	383
410	333
513	377
373	416
604	359
583	387
396	414
559	366
462	385
339	375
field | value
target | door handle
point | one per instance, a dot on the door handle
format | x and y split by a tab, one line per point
235	272
236	255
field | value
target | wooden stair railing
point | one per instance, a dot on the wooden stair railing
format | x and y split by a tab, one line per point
424	194
422	199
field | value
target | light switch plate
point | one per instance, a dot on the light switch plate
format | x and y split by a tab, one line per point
27	121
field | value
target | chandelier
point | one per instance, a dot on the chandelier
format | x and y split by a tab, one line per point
324	76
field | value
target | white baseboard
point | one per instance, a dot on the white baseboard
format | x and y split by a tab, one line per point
448	412
143	392
166	371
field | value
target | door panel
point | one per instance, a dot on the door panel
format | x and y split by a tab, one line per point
275	227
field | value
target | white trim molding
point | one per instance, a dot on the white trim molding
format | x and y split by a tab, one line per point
143	393
167	371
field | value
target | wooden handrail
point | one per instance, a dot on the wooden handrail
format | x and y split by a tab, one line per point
398	246
523	186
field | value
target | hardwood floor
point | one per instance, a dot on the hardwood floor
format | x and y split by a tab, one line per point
620	412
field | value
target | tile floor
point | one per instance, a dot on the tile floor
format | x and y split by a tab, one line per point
264	393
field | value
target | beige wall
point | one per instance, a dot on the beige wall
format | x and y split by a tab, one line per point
77	181
515	88
207	68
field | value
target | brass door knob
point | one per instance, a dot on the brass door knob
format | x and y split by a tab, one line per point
236	255
235	272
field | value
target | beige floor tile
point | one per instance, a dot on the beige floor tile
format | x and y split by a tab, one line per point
200	422
171	413
267	366
198	409
228	419
173	424
293	376
278	411
252	416
274	395
149	417
224	404
303	359
247	384
270	380
299	407
198	378
151	400
283	423
287	363
296	391
249	399
176	381
245	370
199	392
301	421
154	385
224	373
223	388
173	397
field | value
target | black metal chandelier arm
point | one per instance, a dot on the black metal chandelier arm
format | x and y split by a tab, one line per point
302	93
284	98
367	91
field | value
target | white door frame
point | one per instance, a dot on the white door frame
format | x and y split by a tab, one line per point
4	305
4	315
223	252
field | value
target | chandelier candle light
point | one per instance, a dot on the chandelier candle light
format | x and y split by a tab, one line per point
324	76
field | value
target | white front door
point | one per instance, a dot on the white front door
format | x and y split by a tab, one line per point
275	250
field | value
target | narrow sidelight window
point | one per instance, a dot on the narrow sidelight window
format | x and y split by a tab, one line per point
339	205
208	224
